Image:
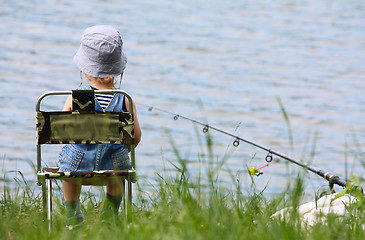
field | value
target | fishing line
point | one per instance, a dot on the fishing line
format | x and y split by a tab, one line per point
331	178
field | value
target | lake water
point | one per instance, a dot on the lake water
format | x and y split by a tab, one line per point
226	63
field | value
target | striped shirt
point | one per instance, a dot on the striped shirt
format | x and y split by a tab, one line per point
104	99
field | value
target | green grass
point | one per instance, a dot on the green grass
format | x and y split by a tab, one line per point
180	206
177	210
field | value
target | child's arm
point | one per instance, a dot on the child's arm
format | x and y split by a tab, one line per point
137	128
68	104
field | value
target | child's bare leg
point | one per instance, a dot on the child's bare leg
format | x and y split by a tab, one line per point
115	189
113	199
71	192
71	195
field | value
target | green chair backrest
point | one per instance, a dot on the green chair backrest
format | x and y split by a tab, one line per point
84	125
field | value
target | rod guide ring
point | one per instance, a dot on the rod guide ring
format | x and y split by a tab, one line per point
268	157
236	142
205	129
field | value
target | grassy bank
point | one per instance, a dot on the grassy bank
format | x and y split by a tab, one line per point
179	209
180	206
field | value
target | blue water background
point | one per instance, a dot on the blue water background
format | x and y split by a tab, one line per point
226	63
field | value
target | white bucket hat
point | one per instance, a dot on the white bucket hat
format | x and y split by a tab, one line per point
100	53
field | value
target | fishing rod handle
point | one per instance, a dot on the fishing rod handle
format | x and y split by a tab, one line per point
338	181
332	178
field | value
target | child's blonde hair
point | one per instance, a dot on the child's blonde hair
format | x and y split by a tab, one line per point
106	80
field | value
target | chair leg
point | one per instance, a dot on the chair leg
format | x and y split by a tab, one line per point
49	204
129	190
129	201
123	203
44	198
123	195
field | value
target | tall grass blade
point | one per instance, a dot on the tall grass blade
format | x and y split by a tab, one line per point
286	117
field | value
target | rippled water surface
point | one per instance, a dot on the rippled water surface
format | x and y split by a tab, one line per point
227	63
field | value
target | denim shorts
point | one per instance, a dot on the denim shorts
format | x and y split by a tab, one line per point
92	157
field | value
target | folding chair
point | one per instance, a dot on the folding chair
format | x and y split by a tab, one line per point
84	125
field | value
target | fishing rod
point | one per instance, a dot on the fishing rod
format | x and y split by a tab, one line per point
331	178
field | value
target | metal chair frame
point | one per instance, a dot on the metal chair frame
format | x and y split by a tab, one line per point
45	176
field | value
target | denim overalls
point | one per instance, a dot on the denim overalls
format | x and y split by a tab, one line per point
93	157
